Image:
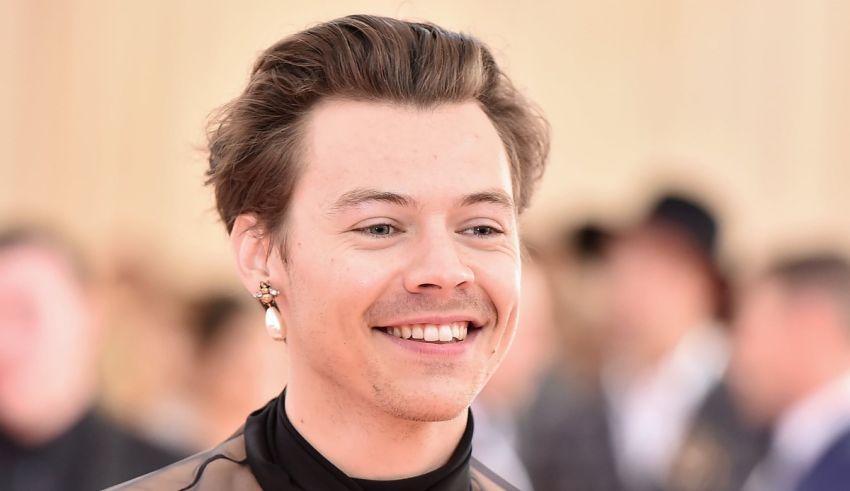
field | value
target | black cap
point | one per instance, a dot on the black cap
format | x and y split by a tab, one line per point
687	217
693	221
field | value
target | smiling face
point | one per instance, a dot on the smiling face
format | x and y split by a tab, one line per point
401	226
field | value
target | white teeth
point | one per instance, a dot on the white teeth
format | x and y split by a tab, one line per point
432	333
443	333
446	333
417	332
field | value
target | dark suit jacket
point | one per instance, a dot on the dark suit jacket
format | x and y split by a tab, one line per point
93	454
832	471
567	445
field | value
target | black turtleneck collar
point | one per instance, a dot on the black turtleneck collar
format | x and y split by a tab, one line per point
280	458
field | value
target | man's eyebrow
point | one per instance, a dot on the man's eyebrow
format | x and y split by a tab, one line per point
495	196
360	196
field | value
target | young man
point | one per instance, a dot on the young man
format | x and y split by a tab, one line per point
792	370
370	177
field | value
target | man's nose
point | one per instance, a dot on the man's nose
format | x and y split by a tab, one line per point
437	266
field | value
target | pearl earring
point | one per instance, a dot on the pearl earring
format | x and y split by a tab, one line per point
266	296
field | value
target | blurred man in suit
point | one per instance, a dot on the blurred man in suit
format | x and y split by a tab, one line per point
792	368
661	417
502	405
50	436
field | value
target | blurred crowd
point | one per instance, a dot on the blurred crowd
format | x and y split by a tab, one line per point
105	377
643	362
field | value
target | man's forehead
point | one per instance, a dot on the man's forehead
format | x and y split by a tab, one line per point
372	132
402	154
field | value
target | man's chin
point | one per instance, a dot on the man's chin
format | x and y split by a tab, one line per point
433	414
427	406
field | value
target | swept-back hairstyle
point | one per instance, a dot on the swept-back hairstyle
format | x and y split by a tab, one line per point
254	142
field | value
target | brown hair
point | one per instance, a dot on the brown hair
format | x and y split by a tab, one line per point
254	141
52	242
826	273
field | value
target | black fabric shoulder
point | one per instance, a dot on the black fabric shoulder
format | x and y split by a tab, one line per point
221	468
484	479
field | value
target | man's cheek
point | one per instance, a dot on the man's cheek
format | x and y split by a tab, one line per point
354	268
506	296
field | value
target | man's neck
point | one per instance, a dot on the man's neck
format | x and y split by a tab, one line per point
365	442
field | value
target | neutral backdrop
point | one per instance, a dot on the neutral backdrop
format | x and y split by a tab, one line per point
746	101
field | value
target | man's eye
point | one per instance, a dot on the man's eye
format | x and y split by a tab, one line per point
379	230
482	231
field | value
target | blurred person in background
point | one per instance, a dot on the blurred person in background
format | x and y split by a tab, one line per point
578	265
662	418
504	403
233	370
672	421
145	317
579	270
51	437
791	368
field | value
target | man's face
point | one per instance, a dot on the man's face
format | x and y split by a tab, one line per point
47	340
659	288
765	346
403	220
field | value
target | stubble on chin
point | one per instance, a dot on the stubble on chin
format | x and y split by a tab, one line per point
424	405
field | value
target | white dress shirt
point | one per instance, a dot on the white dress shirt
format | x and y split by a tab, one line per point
651	412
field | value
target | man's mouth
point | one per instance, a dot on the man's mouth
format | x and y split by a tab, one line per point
452	332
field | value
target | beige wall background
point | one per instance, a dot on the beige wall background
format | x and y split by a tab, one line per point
748	101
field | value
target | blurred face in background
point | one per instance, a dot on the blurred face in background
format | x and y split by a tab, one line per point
47	346
235	373
784	345
660	288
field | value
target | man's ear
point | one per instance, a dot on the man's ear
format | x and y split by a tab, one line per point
250	245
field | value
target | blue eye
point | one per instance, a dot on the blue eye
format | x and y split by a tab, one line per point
482	231
379	230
